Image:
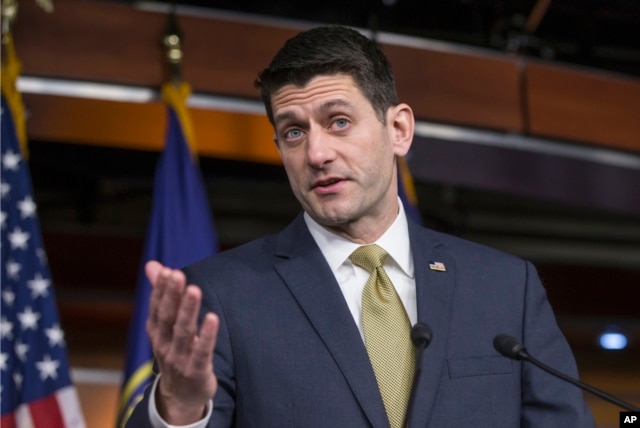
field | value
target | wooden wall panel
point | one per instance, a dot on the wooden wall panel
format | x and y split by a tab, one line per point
458	88
225	57
91	40
219	134
88	40
585	107
109	42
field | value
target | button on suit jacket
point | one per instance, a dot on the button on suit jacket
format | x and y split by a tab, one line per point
290	355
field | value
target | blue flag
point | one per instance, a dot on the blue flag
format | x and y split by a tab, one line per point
180	232
36	386
407	192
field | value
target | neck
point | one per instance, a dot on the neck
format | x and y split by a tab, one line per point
366	230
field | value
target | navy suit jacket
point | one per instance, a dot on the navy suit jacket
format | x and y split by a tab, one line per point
290	355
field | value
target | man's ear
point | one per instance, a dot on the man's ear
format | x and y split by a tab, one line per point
401	126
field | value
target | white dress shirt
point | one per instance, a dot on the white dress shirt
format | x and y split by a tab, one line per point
351	278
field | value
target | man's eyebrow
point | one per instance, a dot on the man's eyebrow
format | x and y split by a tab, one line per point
285	116
339	102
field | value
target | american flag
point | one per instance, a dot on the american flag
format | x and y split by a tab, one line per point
36	387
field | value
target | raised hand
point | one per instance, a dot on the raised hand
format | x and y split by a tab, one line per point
183	354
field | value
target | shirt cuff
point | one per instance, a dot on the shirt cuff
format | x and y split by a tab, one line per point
157	421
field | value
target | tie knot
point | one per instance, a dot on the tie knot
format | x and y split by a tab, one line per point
369	257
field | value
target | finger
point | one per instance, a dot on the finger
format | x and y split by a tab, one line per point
152	270
204	346
173	283
184	329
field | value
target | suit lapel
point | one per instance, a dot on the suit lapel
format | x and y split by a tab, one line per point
309	278
434	289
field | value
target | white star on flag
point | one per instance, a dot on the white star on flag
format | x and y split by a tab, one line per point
17	378
3	360
29	319
13	269
21	351
5	188
9	297
55	335
27	207
6	328
39	286
18	239
10	160
42	255
48	367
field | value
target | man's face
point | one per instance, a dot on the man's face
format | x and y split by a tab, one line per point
339	157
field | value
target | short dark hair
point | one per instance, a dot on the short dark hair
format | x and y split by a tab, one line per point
331	50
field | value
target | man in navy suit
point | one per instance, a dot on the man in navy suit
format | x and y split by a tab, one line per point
270	334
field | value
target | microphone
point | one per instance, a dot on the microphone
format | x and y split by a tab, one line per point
421	336
510	347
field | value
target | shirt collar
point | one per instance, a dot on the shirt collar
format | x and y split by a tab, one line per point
394	241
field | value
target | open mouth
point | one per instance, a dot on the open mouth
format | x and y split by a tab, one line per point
328	185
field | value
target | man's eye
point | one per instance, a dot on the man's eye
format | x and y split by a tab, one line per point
341	123
293	134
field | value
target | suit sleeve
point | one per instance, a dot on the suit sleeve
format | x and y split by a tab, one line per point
139	418
546	400
223	366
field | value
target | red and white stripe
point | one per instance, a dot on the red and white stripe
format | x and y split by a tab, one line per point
58	410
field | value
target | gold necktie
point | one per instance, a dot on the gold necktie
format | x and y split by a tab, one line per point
387	334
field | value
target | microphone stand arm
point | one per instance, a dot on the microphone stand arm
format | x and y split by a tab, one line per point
584	386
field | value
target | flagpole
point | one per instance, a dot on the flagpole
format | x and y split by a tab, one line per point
180	229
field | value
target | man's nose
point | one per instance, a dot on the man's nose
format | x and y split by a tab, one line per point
320	149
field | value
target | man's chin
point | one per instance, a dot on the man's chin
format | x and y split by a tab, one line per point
331	211
332	218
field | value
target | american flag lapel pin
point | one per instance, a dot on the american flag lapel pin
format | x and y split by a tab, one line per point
438	266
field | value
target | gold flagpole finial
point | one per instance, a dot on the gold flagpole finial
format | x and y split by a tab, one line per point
9	14
46	5
9	10
172	41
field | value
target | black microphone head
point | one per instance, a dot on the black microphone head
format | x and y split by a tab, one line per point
421	335
510	347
